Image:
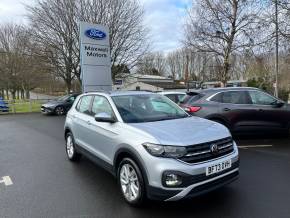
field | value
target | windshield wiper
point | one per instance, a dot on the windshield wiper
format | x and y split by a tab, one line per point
168	118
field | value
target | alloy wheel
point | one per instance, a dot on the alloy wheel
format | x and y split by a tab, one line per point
59	111
129	182
69	147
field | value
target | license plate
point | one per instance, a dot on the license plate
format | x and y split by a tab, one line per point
219	167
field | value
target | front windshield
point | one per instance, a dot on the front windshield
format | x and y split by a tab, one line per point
63	98
147	108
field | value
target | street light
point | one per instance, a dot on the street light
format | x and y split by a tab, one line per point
277	48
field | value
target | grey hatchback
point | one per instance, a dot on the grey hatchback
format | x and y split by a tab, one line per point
241	109
153	147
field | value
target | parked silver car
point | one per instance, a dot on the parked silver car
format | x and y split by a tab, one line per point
153	147
174	96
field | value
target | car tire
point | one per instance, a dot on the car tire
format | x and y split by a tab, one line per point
59	111
71	151
131	182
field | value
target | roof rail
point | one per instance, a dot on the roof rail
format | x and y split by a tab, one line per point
141	90
103	91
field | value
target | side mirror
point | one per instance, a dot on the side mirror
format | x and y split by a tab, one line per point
278	103
104	117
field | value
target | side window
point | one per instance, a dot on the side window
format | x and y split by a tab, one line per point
235	97
261	98
180	97
101	105
71	99
217	97
84	104
172	97
195	98
78	104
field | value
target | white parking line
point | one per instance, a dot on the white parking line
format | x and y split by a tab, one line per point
6	180
255	146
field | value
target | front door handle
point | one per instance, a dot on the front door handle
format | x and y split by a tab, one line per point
89	122
227	109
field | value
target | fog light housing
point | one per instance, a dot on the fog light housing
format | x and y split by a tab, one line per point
172	180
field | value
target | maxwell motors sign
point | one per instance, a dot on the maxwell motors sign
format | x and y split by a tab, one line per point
95	57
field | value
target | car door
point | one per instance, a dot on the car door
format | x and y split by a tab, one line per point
81	121
268	114
236	108
102	136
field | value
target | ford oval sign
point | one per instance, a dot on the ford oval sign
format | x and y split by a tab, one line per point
95	34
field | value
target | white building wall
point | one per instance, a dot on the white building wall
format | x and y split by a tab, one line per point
142	86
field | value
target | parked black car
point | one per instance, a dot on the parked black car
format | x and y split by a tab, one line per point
241	109
59	106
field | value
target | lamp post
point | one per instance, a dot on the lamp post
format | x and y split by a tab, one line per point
277	49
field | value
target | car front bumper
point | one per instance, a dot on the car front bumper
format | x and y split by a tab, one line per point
195	175
47	110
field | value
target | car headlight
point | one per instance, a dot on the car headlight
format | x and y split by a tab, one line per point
165	150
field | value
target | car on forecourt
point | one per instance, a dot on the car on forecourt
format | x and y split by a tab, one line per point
240	109
152	146
59	106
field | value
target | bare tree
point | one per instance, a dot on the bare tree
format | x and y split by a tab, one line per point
223	27
153	63
55	25
284	25
20	70
172	62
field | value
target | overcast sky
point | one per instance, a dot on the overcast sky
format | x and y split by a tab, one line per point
164	18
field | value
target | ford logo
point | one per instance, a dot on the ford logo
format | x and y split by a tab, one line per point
95	34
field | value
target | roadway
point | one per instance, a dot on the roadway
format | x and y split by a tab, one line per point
46	184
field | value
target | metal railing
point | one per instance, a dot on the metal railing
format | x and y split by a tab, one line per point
21	106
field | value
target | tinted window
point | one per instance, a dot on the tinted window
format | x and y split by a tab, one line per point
217	97
101	105
232	97
235	97
258	97
191	98
172	97
84	104
63	98
71	99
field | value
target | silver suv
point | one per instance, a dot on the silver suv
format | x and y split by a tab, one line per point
153	147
